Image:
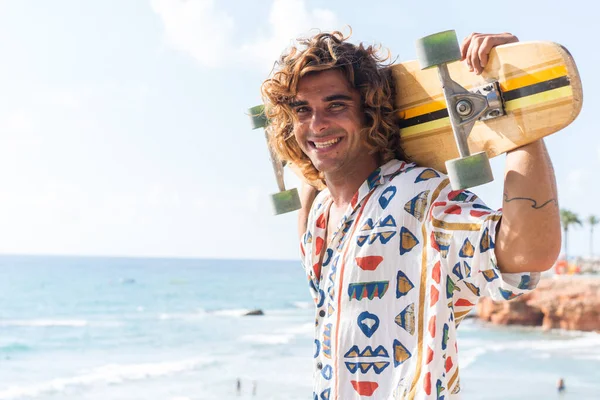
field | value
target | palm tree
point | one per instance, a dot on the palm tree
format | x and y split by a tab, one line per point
568	218
592	220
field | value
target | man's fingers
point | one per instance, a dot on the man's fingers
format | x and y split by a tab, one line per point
468	59
474	55
464	47
476	52
469	51
483	59
487	44
475	49
484	52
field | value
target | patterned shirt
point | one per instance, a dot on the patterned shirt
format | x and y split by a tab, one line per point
408	260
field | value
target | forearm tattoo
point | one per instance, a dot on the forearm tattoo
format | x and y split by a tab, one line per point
534	204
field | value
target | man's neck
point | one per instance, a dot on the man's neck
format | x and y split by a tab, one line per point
344	184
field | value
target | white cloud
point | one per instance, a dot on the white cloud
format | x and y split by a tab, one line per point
288	19
198	28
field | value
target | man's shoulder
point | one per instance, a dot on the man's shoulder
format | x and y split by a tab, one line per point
415	175
408	185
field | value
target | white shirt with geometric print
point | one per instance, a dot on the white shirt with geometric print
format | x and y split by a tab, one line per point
408	260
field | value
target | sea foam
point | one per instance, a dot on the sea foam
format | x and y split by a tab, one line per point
107	374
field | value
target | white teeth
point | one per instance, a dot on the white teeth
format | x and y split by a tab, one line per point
322	145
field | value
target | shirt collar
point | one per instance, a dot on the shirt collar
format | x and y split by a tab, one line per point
378	177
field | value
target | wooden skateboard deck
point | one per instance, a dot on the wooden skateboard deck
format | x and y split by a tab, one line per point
532	90
539	84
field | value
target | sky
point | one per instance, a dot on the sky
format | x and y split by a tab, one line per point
123	126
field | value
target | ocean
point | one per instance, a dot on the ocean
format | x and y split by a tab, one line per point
92	328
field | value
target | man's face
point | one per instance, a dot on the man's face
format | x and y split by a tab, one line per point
329	121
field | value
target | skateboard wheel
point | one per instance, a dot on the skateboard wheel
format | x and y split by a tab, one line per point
286	201
470	171
436	49
258	117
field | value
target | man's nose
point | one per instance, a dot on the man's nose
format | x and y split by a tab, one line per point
319	122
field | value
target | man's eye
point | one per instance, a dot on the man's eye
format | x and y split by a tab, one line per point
301	110
337	106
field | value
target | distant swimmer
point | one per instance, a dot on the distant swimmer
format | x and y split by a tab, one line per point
560	385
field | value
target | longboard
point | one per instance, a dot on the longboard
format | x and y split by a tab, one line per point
530	90
539	84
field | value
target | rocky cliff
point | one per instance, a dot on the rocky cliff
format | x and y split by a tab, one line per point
571	303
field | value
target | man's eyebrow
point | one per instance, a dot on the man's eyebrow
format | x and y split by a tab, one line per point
338	97
333	97
298	103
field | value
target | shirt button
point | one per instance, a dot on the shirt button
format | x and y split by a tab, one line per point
322	313
319	365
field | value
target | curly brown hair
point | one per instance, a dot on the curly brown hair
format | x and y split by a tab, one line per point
366	71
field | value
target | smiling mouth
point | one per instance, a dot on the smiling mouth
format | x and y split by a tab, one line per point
324	145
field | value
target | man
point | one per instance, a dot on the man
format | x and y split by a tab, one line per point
395	259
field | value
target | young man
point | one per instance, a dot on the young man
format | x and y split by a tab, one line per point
394	258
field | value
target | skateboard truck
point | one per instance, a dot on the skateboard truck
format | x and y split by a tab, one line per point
464	109
286	200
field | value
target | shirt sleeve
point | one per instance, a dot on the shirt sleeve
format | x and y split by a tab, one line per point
463	230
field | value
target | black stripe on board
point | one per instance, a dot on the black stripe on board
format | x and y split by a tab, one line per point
536	88
421	119
507	96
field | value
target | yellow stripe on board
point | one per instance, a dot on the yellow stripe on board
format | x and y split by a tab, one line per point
425	126
533	78
423	109
543	97
510	106
510	84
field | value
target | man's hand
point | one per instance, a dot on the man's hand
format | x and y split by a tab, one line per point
476	48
